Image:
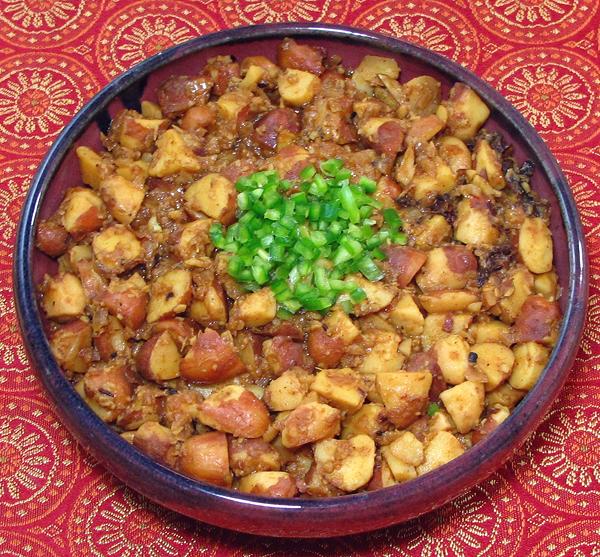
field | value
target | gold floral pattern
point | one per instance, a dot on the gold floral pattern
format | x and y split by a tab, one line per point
266	11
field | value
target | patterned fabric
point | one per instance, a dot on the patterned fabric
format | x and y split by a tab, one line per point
543	55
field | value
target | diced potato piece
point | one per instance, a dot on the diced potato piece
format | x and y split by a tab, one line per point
455	153
297	87
287	391
426	186
371	126
423	94
127	300
139	134
253	76
232	102
310	422
255	309
405	170
71	345
122	197
325	350
269	484
449	300
467	112
195	239
440	325
403	455
452	358
441	448
495	360
369	420
83	212
206	457
488	164
490	331
104	414
215	196
90	166
235	410
158	359
134	171
108	385
379	295
212	308
169	294
117	249
537	321
367	72
535	245
151	110
464	403
496	415
63	297
423	129
530	360
504	395
406	316
432	232
339	325
404	395
211	359
522	285
546	284
348	464
447	267
441	421
252	455
384	355
342	388
157	441
473	225
172	156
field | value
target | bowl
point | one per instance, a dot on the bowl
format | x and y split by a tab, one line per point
295	517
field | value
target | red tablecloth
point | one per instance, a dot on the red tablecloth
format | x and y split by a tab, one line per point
541	54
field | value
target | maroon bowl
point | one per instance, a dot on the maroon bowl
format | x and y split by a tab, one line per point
296	517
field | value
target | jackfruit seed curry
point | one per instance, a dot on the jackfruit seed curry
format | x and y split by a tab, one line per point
298	279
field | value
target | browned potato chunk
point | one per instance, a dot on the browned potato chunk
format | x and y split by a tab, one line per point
467	112
211	359
127	300
287	391
231	103
448	267
423	95
342	388
117	249
71	345
510	306
464	403
310	422
490	331
535	245
403	455
495	360
254	310
404	395
297	87
156	441
122	197
109	387
269	484
252	455
64	297
473	223
235	410
212	308
423	129
440	449
383	355
169	294
151	110
488	165
440	325
452	358
406	316
215	196
546	284
91	166
496	415
158	359
195	240
206	457
454	153
444	301
379	295
139	134
339	325
84	212
347	464
367	72
530	359
370	420
504	395
172	156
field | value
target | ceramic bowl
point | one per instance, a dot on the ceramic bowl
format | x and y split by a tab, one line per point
295	517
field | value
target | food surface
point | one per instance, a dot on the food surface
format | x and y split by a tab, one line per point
298	279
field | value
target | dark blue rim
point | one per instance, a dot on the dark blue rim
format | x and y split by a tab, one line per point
443	484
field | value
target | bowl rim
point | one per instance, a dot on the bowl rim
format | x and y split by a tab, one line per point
283	517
